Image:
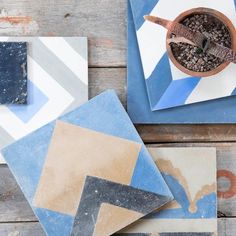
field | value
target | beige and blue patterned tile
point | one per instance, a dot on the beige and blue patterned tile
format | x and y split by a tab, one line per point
190	174
86	173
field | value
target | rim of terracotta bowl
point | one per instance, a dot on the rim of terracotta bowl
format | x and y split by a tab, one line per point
220	16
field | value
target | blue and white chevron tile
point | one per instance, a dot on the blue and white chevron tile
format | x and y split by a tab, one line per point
58	83
166	85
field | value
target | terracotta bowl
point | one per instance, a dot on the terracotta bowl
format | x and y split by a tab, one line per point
221	17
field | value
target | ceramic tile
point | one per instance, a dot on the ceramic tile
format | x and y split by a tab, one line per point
167	86
72	144
85	174
191	176
13	73
57	83
221	110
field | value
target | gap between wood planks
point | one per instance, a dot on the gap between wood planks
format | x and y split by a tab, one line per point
20	222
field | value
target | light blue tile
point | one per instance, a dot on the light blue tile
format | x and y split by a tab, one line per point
215	111
103	113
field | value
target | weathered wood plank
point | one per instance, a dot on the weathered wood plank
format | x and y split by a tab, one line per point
13	206
187	133
21	229
226	227
105	28
101	79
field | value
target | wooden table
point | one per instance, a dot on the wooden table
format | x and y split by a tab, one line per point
104	22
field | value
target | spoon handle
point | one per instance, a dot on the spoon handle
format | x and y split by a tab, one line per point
179	30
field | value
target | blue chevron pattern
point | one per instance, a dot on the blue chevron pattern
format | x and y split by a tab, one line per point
161	78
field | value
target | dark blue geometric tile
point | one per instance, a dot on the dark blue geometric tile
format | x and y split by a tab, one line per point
97	191
13	73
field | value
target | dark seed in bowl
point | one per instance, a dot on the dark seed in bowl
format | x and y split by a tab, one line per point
192	57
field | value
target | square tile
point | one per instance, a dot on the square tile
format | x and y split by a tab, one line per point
13	73
221	110
92	164
167	86
191	176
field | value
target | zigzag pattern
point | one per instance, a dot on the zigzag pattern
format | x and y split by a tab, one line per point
97	191
181	89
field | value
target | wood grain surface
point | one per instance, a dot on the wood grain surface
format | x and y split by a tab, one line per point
104	23
226	227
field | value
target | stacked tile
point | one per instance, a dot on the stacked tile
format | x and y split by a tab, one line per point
57	71
86	172
155	84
